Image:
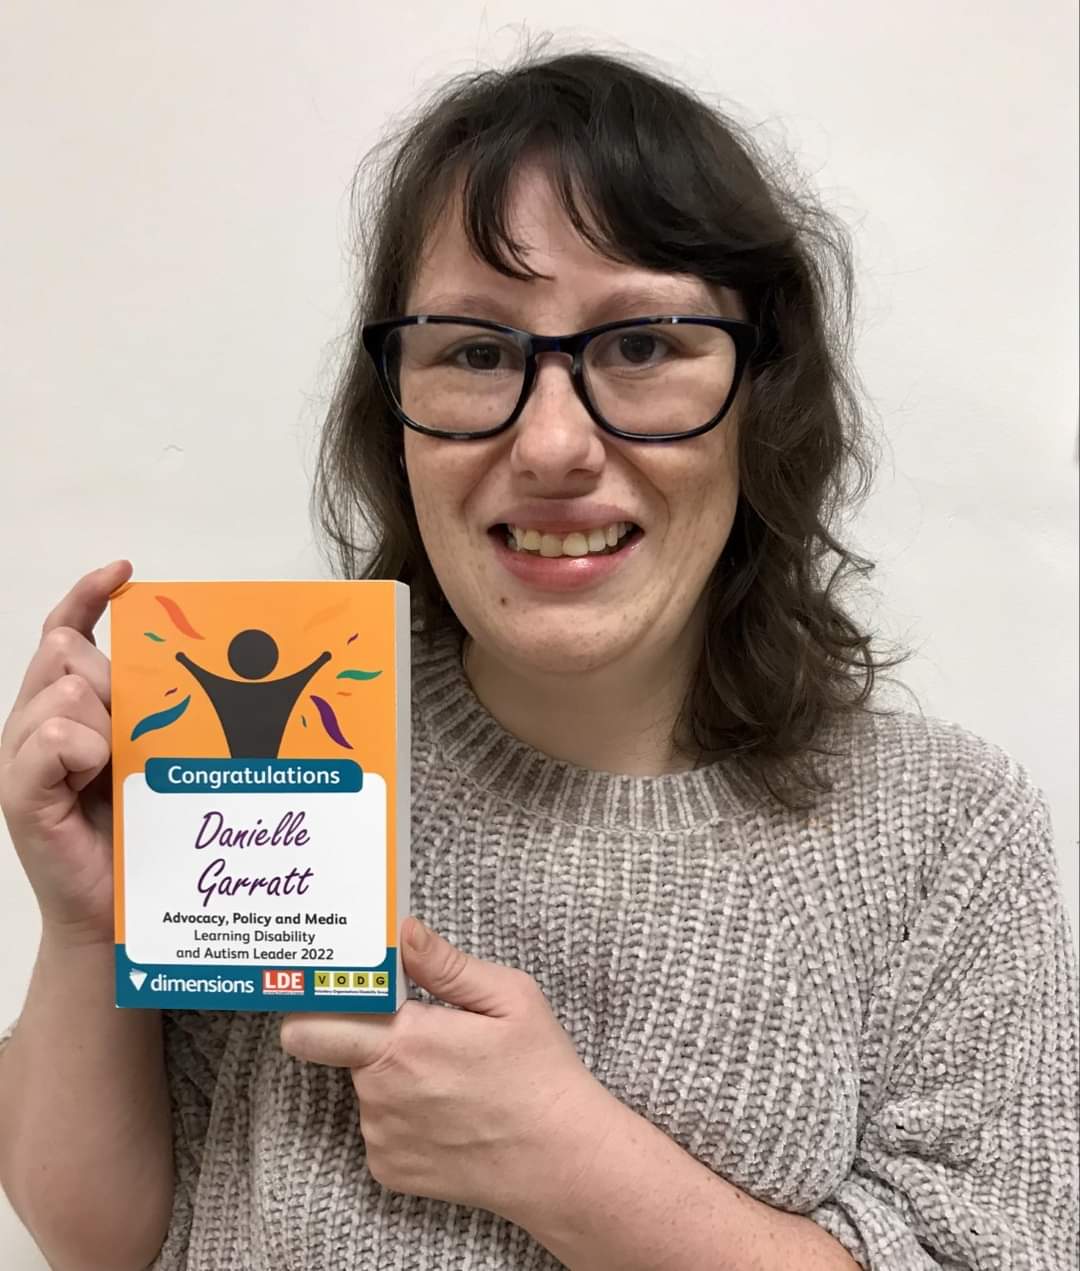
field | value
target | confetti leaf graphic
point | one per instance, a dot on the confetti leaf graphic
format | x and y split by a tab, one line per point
160	719
325	614
179	621
170	692
352	637
156	638
329	721
358	675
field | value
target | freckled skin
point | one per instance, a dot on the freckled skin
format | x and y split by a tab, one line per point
683	494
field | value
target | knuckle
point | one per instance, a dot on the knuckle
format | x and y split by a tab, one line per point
74	690
61	642
56	732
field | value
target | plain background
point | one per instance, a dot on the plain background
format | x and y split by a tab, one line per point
176	281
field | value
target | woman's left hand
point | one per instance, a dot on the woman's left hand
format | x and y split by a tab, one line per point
485	1106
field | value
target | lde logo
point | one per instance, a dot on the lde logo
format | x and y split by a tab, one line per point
278	981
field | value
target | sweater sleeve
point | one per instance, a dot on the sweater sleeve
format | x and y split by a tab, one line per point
194	1044
967	1151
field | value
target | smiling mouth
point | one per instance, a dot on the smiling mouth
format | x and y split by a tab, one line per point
575	545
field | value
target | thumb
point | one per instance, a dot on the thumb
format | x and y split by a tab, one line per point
454	976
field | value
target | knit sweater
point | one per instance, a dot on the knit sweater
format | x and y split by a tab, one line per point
866	1015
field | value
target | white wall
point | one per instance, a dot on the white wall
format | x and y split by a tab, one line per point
174	280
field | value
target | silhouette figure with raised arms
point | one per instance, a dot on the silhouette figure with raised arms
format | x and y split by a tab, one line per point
253	710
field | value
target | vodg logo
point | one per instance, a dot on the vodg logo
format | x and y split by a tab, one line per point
279	981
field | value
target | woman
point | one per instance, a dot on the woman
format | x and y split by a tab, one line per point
746	974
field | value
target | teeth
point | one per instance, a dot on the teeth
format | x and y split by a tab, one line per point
579	543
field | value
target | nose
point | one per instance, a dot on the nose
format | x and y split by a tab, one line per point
555	439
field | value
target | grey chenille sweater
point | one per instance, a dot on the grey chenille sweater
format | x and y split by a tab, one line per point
867	1015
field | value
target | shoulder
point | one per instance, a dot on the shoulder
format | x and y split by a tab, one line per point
939	759
943	789
932	835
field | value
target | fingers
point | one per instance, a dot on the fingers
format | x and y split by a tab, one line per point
84	604
339	1041
70	697
59	752
63	651
67	655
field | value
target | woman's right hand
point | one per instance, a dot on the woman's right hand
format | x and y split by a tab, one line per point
54	756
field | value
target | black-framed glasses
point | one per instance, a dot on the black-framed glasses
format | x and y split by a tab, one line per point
663	378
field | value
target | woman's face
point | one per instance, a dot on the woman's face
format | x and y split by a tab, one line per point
555	472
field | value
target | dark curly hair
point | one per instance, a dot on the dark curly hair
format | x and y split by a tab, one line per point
648	174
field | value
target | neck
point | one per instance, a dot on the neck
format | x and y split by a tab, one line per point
617	718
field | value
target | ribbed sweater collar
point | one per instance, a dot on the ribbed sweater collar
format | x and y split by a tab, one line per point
470	740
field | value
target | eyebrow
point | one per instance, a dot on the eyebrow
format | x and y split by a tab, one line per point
631	301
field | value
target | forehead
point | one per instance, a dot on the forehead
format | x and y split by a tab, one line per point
451	278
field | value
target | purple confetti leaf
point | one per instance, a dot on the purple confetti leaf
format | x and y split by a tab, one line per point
329	721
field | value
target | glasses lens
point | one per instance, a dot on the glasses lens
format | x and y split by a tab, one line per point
663	377
454	377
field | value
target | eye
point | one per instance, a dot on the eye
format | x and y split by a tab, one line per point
481	357
635	347
486	356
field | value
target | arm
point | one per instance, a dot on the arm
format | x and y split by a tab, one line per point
206	678
968	1151
301	677
644	1204
968	1146
84	1116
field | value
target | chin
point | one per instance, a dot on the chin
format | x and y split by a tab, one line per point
555	648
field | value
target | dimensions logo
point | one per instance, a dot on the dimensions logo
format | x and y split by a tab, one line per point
162	983
138	978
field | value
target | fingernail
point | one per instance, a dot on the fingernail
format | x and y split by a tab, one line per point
419	936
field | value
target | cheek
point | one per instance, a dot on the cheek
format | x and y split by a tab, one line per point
703	498
427	510
443	477
442	483
435	496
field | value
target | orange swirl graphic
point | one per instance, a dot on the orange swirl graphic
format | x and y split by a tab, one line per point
176	615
